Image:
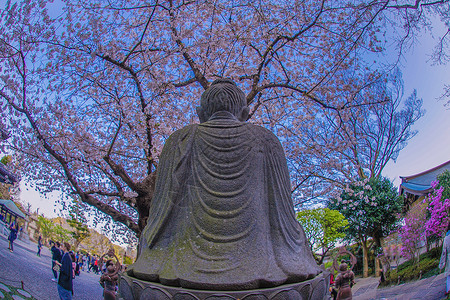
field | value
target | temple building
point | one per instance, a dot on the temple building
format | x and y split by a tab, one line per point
415	187
9	212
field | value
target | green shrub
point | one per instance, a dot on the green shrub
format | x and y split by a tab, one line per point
328	265
428	265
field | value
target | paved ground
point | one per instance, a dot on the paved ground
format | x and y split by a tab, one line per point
432	288
23	265
35	272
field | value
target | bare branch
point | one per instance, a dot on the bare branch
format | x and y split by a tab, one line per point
417	4
256	77
185	83
142	37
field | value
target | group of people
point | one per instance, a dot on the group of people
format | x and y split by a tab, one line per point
66	265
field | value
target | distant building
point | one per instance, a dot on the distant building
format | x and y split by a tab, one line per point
417	186
9	211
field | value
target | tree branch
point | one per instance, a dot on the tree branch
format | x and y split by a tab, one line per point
107	209
256	77
138	84
200	78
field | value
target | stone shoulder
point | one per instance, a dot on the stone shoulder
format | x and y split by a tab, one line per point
182	133
265	135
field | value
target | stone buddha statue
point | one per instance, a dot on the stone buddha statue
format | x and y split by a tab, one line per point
222	216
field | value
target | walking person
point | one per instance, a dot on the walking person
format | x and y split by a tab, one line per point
344	282
109	281
56	258
74	263
444	262
12	236
39	246
83	262
65	279
91	264
79	266
333	291
96	266
87	261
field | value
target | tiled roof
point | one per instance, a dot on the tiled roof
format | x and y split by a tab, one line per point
11	206
420	184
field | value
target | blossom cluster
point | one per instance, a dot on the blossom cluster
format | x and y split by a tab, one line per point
438	210
433	212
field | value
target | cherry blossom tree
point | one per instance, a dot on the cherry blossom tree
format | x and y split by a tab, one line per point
359	142
371	207
90	90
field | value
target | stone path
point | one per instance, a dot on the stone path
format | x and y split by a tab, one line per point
432	288
35	272
23	265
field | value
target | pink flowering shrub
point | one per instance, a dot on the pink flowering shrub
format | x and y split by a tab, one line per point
438	212
427	220
411	233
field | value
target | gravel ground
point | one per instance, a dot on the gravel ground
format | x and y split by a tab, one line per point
35	272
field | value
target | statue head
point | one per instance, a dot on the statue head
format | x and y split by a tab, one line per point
343	267
223	95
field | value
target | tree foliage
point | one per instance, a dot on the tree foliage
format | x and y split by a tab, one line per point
96	243
360	144
45	227
8	191
371	207
51	230
91	93
444	182
438	208
79	232
60	233
6	159
323	228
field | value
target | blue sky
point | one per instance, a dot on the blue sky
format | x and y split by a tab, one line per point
431	146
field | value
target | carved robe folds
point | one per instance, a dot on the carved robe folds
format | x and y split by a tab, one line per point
222	215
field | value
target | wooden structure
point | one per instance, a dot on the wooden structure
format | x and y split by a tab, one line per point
417	186
10	212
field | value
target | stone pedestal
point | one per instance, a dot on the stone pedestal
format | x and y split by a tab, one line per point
134	289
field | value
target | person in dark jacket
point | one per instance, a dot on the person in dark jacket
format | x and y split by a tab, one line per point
39	246
12	236
56	258
65	283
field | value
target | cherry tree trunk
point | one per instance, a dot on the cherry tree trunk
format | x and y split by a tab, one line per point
365	259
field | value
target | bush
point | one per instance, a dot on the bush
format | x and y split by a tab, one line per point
428	265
